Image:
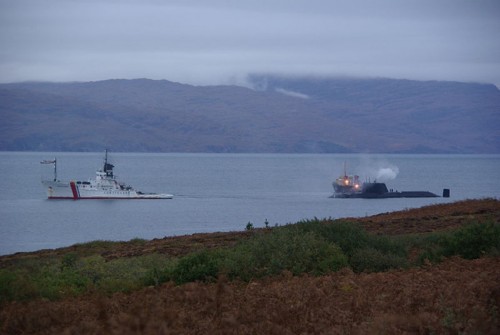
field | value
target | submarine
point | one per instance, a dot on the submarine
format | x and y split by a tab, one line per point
350	187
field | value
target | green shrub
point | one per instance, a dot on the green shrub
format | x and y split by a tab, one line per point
202	266
373	260
69	275
348	236
473	241
470	241
122	274
159	271
156	275
52	283
8	286
388	245
7	279
286	248
432	254
69	261
15	285
354	240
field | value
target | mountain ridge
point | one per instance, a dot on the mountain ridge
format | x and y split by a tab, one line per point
276	115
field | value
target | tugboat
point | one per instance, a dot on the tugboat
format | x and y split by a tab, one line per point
347	185
350	187
103	186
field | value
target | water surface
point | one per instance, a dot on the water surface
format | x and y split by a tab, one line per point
215	192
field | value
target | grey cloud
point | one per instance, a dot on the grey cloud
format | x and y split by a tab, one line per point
210	41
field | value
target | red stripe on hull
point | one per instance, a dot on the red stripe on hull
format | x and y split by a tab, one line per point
74	190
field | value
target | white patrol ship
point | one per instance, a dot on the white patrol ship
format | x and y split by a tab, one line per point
103	186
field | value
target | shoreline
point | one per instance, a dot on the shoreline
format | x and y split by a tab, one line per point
420	220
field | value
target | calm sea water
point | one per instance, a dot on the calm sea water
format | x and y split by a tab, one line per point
216	192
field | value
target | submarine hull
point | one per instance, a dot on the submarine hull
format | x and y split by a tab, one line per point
380	191
391	195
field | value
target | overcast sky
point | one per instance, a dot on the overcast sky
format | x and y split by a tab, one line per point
220	41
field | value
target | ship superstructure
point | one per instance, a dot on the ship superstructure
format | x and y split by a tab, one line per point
347	184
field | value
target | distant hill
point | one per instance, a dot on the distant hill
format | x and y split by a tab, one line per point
280	114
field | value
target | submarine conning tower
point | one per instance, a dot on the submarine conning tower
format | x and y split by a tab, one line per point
375	188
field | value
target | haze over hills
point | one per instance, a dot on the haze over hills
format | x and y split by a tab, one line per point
278	114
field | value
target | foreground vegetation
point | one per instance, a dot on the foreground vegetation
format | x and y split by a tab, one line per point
314	247
429	270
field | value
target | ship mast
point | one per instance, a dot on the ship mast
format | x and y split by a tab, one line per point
55	166
105	159
108	168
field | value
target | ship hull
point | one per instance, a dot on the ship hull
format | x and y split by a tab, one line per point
74	191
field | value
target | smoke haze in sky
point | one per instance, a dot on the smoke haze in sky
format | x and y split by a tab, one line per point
379	169
387	173
221	41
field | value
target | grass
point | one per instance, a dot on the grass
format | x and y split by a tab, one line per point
314	247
